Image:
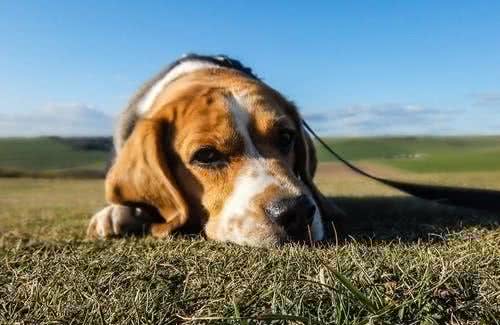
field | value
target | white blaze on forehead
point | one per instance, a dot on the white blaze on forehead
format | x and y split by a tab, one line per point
241	119
150	96
235	222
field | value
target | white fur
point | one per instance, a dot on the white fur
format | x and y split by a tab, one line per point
241	118
149	98
253	180
104	222
317	228
235	225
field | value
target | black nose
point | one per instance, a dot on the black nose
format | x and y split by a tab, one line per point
292	213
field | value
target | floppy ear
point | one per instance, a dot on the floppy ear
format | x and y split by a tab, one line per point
312	163
305	168
305	153
141	176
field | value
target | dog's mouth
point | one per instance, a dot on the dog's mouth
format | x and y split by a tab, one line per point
300	232
302	235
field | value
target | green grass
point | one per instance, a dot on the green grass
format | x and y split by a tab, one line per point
452	161
408	262
47	154
147	281
422	154
50	157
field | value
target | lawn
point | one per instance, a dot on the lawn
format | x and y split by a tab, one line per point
407	262
84	157
48	155
422	154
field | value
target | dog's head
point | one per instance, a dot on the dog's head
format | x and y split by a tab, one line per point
224	151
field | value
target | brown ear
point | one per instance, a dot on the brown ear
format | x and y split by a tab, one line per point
305	168
305	153
306	162
313	160
140	175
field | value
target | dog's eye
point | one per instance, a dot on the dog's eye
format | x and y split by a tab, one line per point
286	140
208	157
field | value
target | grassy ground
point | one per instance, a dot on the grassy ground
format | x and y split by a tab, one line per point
408	262
80	157
47	155
422	154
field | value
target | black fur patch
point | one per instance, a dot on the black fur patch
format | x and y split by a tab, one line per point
218	60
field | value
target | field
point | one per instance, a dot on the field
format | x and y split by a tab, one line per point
407	261
52	156
423	154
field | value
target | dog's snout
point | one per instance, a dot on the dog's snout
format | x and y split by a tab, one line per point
292	212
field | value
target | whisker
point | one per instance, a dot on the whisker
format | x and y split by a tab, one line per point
335	233
309	234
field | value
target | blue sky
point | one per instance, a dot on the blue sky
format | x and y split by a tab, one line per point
354	68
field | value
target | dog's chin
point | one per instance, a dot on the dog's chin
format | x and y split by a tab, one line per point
259	234
274	237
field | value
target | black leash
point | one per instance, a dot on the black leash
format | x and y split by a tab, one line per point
481	199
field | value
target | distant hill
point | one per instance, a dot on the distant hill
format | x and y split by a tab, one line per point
422	154
87	157
54	156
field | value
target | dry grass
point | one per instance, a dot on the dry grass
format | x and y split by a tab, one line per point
409	263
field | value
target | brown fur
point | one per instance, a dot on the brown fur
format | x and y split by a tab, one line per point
153	167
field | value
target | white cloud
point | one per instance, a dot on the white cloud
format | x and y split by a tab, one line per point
70	119
384	119
489	99
57	119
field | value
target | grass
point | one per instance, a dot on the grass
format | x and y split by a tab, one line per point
47	154
408	262
422	154
86	157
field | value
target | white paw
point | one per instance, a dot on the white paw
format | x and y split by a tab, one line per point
113	220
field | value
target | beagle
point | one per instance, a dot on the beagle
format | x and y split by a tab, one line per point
207	146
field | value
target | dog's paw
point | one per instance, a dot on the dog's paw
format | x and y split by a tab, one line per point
113	221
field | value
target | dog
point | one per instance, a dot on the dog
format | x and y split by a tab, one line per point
206	146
